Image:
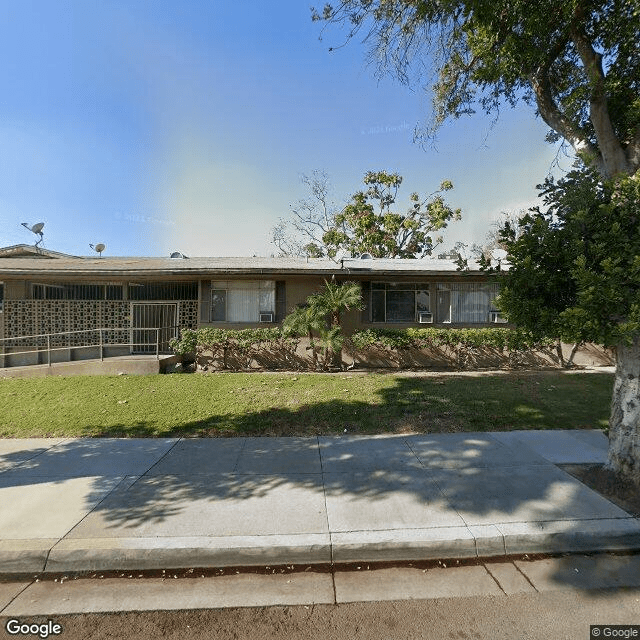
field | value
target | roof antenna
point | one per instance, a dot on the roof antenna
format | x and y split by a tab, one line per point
98	248
37	229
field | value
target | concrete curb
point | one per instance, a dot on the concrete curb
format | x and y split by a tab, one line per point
106	554
571	536
399	545
24	556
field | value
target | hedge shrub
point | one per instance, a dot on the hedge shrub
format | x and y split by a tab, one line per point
237	344
242	346
499	338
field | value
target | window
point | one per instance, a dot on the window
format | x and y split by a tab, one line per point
218	305
163	291
242	300
398	301
48	292
465	302
139	291
72	291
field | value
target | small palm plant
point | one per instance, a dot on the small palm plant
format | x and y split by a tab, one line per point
305	321
332	340
311	319
333	301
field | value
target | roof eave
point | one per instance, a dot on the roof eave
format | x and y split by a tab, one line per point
104	273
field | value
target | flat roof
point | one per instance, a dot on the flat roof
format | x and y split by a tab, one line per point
203	266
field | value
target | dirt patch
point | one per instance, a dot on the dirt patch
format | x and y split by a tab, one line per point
608	484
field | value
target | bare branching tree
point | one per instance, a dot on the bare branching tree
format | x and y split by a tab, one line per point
301	233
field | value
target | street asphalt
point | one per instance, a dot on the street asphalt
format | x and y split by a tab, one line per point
76	505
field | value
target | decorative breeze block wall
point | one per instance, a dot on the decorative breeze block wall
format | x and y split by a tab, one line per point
188	314
32	317
19	320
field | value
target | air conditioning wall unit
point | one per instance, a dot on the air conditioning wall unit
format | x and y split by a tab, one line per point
266	316
496	317
425	317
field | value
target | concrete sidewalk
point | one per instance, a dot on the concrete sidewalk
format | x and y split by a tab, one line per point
114	504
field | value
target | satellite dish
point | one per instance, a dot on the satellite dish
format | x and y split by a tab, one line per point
37	229
366	256
177	254
98	248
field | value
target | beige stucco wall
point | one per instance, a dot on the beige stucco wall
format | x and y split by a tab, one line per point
299	289
15	289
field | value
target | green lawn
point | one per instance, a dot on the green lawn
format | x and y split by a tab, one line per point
302	404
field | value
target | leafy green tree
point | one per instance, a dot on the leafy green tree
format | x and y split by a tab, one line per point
575	273
577	64
542	250
367	224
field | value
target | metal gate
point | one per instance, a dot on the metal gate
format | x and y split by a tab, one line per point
153	324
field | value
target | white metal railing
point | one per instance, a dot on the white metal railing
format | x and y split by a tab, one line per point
49	342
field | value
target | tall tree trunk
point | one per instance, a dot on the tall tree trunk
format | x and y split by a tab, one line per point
624	424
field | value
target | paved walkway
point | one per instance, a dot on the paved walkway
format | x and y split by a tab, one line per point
110	504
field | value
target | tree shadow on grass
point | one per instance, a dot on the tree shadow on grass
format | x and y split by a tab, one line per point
532	400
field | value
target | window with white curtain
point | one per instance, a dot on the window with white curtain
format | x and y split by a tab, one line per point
465	302
242	300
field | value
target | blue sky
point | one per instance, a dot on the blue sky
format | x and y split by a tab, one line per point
165	125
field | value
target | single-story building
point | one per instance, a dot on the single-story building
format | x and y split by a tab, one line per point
54	301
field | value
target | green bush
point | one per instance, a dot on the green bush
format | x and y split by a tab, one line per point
501	339
241	344
186	344
244	345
